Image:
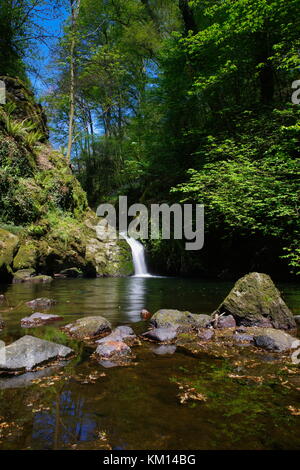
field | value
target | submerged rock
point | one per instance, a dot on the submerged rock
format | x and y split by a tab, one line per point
1	323
28	275
121	333
42	302
23	380
161	334
164	349
2	299
243	337
205	334
166	318
255	301
29	352
88	328
71	273
191	345
37	319
275	340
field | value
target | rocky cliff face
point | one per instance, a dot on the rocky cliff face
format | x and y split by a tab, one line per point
46	226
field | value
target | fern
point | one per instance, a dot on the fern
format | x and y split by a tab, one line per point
25	130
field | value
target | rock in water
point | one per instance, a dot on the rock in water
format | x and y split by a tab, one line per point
255	301
29	352
162	334
227	321
164	349
145	314
297	319
205	334
88	328
117	352
1	323
175	318
275	340
37	319
28	275
121	333
41	303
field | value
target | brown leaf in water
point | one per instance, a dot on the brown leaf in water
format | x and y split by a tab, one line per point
248	377
294	411
189	393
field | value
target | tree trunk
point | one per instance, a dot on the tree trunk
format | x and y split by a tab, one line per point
188	17
75	5
266	74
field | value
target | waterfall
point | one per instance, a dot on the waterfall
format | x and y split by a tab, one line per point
138	256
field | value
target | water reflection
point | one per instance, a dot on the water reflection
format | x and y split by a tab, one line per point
67	423
135	297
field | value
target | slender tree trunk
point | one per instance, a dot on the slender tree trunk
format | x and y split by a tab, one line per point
74	4
188	17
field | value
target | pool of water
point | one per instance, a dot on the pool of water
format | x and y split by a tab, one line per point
81	405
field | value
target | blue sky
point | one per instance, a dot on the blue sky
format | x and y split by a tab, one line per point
54	27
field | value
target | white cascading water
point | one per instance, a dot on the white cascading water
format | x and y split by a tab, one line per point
138	256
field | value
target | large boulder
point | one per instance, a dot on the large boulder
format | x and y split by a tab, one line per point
255	301
167	318
88	328
27	255
275	340
29	352
8	247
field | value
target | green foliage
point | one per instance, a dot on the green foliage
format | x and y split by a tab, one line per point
193	96
25	130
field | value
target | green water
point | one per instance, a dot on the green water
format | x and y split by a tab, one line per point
138	407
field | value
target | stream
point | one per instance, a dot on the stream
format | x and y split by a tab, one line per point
81	405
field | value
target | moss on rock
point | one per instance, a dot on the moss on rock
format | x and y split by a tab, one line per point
255	301
8	247
40	195
26	257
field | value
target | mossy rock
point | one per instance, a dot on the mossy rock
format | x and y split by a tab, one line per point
8	247
119	261
18	93
26	257
255	301
166	318
88	328
28	275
